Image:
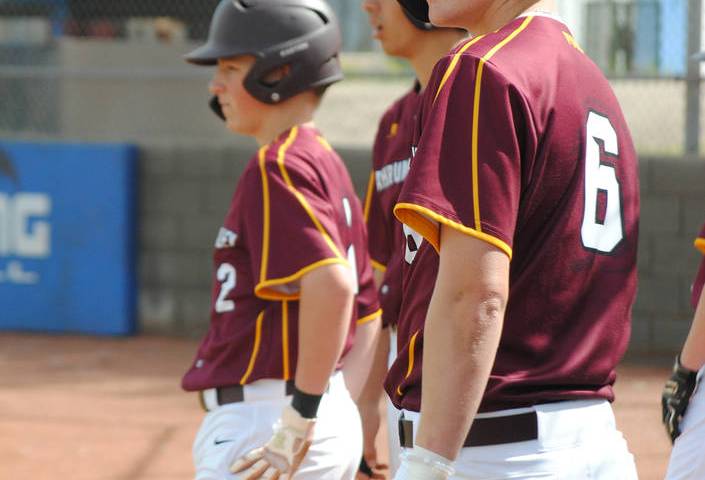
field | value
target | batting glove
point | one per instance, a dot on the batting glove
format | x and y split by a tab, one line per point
420	464
366	472
283	453
675	397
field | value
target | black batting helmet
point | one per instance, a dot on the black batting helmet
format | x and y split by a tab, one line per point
416	9
303	34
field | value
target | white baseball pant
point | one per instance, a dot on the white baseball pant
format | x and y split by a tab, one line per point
232	430
688	455
577	440
392	412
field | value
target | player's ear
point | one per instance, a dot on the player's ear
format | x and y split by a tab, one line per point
276	75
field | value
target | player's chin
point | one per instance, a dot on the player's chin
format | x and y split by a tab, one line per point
391	48
236	126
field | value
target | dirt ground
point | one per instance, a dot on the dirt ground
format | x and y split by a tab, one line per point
83	408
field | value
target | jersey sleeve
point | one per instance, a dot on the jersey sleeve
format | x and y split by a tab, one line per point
367	301
375	219
700	241
700	277
378	243
290	226
368	307
466	172
390	291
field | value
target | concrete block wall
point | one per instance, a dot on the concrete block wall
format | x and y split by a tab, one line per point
186	189
184	194
672	213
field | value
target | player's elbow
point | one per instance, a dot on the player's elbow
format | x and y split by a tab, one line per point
473	275
477	304
492	303
339	282
331	283
488	300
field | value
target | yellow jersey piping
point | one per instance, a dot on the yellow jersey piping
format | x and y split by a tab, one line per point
265	214
370	317
368	196
264	289
476	116
302	200
700	244
417	217
410	367
454	62
255	348
378	266
324	143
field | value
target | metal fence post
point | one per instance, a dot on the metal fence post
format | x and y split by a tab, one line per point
692	103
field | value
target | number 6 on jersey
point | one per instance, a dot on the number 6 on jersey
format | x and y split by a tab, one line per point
601	232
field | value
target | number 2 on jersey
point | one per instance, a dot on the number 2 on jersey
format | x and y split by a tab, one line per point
601	231
227	275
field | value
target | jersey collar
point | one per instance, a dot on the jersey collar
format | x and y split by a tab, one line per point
542	13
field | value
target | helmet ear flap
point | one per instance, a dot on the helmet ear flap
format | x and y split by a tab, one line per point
421	25
310	60
215	107
417	9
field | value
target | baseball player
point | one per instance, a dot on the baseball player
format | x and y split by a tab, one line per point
683	401
288	261
401	36
521	207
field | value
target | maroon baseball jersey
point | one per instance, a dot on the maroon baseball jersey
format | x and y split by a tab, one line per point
390	164
522	144
294	210
700	278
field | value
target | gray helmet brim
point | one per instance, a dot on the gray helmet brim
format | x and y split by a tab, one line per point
207	55
204	55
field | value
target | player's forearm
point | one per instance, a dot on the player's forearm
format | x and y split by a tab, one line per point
459	350
373	388
461	334
359	359
325	309
693	354
378	276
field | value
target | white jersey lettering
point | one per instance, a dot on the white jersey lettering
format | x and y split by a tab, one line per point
391	174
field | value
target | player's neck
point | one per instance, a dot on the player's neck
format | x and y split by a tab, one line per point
501	13
298	110
428	52
543	6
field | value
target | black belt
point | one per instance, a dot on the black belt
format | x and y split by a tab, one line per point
236	393
486	431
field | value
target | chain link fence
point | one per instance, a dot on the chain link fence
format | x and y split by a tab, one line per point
644	47
51	49
102	69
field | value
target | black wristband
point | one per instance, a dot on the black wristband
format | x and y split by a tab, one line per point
365	468
305	403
